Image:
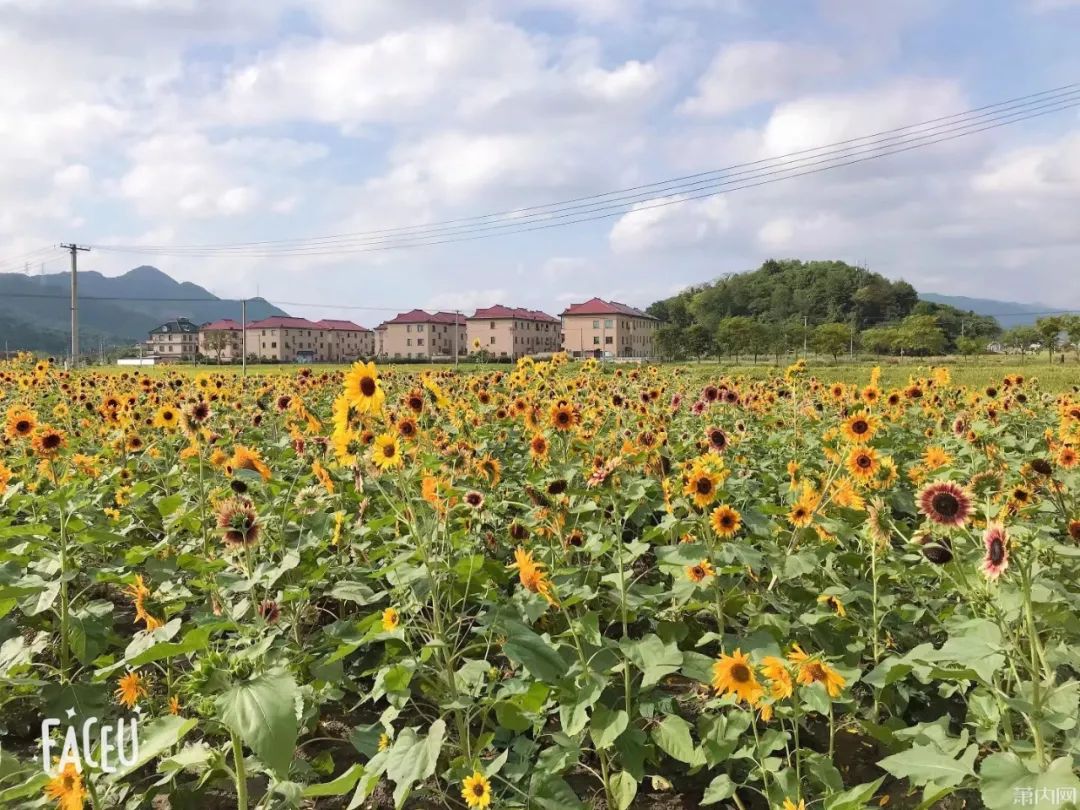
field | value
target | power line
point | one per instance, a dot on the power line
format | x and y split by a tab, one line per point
1002	114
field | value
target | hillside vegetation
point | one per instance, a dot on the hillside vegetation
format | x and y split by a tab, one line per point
829	305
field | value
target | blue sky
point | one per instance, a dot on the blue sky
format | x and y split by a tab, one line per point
174	122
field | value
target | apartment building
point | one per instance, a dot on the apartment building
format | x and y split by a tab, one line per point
345	341
513	332
598	328
174	340
424	335
221	340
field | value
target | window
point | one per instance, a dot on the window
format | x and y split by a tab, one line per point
419	341
492	340
273	344
419	327
408	342
596	340
493	324
408	327
608	323
596	324
609	340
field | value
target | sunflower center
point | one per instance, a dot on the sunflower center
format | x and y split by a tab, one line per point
367	386
863	461
478	790
946	504
859	426
22	426
726	521
997	551
51	441
704	486
718	438
816	672
389	451
740	673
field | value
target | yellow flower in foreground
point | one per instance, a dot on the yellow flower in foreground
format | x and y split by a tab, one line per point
363	389
790	805
244	458
813	670
834	603
174	705
131	688
531	574
476	790
780	685
67	788
733	675
385	452
139	593
725	520
696	573
391	620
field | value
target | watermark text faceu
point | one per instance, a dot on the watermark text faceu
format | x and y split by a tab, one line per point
116	745
1048	796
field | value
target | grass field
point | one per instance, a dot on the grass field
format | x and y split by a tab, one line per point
977	371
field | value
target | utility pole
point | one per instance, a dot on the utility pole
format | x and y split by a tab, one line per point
805	326
457	312
243	353
74	300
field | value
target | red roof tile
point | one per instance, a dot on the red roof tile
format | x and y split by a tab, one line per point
226	323
420	316
597	306
344	326
283	322
499	312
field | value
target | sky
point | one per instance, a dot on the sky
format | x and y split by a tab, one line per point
180	122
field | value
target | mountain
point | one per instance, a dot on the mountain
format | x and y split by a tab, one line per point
35	311
1007	313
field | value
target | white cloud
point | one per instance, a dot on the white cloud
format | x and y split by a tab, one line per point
467	301
673	226
744	74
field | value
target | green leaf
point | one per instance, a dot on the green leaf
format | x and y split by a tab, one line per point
263	712
653	657
336	787
154	739
537	655
169	504
413	758
623	789
552	793
672	734
719	789
606	726
1005	782
354	592
854	799
926	763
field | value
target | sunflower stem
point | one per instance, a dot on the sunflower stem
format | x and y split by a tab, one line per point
239	772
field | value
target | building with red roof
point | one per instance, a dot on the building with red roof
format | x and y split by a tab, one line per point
599	328
286	339
502	331
221	340
418	334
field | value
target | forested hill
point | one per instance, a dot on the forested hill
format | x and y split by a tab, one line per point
782	295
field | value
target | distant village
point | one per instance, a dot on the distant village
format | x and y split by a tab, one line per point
595	328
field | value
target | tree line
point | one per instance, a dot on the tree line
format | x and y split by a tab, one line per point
832	308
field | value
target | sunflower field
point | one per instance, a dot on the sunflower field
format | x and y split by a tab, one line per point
557	585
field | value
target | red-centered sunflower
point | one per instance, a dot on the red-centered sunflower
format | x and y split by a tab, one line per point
945	503
996	560
238	522
48	442
700	571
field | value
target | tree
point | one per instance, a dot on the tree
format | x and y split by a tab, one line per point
879	340
920	334
671	341
832	338
736	335
1021	339
1049	330
969	346
698	340
218	340
1072	327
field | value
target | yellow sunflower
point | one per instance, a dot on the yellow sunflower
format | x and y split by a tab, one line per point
476	790
862	462
814	670
701	486
67	788
20	423
860	428
386	453
48	441
391	619
725	521
734	675
167	417
700	571
130	689
780	685
363	389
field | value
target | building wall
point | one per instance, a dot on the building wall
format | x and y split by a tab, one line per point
345	345
610	335
174	345
423	340
229	352
510	337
